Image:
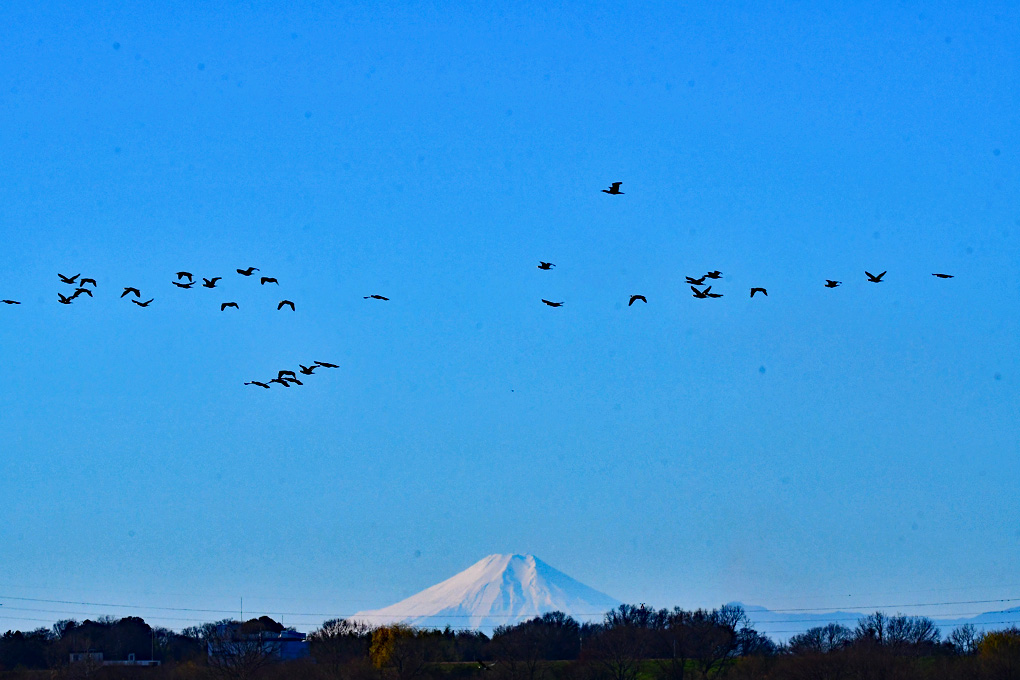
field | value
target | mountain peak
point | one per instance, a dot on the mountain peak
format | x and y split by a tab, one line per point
501	589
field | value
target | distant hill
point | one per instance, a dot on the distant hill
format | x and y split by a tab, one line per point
497	590
784	625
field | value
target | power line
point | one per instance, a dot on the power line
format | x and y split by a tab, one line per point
890	606
471	616
278	613
757	624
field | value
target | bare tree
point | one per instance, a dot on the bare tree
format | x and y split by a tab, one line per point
821	639
617	650
237	654
965	639
340	648
518	651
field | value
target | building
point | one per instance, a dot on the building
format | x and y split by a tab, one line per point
97	659
232	641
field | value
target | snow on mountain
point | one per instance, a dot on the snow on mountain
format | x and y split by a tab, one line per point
498	590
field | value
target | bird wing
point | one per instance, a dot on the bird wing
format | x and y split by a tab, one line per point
616	185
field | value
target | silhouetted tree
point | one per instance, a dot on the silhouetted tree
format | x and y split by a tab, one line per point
518	651
999	653
821	639
713	638
27	650
399	651
618	645
965	639
239	651
340	648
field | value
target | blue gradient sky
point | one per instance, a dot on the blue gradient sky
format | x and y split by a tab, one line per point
816	447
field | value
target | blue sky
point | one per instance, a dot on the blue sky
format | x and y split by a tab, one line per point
811	448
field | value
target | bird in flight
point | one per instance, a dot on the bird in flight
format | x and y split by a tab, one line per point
829	283
281	381
759	290
256	382
545	265
696	282
375	297
326	364
635	298
943	276
128	289
307	370
247	272
285	302
10	302
68	279
228	304
85	281
701	294
65	300
614	189
181	275
211	283
280	374
483	666
268	279
552	304
183	285
143	304
714	274
79	291
875	279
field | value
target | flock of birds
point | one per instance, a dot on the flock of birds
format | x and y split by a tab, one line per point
186	280
80	289
287	378
706	292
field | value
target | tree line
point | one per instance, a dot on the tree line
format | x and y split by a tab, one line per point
632	642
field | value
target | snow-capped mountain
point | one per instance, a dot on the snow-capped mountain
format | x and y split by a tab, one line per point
498	590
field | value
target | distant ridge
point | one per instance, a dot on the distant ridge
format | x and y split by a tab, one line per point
497	590
784	625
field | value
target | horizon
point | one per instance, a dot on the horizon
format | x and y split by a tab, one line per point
779	624
809	447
